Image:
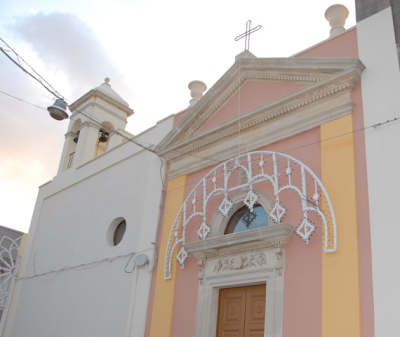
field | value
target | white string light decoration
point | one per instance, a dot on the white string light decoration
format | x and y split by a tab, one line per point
274	168
9	249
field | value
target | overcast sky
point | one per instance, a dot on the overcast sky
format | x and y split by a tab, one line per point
150	49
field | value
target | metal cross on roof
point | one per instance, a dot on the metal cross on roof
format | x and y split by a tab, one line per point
247	33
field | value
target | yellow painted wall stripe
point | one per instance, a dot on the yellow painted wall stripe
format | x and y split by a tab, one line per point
163	303
340	270
22	245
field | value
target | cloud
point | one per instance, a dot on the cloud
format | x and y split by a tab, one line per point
66	52
67	44
30	141
30	146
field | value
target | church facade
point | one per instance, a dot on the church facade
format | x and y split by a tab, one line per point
265	208
276	216
276	135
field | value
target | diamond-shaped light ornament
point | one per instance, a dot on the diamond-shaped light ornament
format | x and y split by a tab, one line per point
225	206
250	200
181	256
305	229
277	212
203	230
249	217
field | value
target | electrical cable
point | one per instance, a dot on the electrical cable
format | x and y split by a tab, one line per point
21	100
23	60
41	80
84	266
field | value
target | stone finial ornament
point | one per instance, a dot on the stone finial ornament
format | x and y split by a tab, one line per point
336	15
196	91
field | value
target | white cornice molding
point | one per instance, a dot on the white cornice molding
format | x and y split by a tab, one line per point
268	133
95	104
274	235
98	94
311	70
300	111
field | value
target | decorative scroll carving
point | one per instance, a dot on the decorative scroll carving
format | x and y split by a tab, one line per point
282	172
240	262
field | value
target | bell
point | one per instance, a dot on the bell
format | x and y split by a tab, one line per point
76	137
58	110
103	136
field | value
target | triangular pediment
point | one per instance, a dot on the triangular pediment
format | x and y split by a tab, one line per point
251	95
252	85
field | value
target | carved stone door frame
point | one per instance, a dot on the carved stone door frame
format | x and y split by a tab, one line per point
236	270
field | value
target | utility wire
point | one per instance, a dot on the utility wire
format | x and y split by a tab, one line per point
38	78
20	58
21	100
86	265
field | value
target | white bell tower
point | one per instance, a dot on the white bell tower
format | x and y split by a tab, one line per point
94	119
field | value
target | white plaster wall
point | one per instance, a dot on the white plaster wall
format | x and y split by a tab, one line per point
69	227
381	102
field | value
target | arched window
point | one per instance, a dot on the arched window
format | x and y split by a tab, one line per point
243	219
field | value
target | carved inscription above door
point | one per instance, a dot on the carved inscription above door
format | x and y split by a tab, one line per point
241	312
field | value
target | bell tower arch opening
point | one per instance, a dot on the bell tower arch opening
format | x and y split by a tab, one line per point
103	139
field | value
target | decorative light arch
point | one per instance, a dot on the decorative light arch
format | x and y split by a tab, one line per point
258	167
9	249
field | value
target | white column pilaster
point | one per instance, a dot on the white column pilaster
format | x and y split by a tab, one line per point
69	138
86	147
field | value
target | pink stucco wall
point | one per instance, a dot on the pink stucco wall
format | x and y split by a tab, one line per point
345	45
252	94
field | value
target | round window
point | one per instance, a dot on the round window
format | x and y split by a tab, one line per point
116	231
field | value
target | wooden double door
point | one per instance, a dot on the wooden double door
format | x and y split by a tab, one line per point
241	312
